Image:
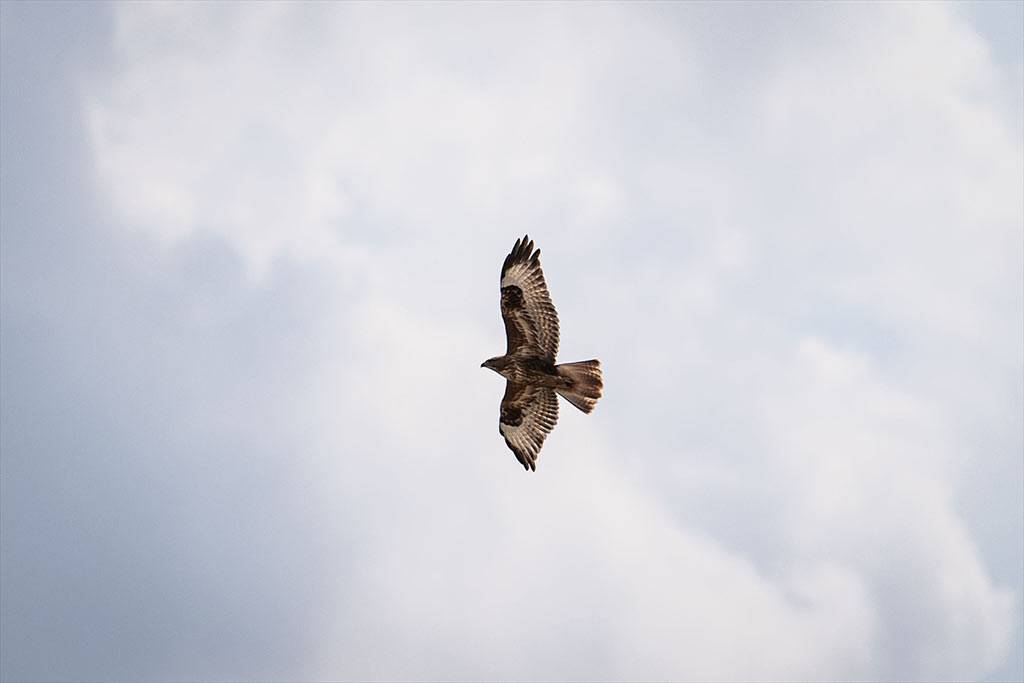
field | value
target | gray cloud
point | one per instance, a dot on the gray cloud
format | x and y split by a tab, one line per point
154	525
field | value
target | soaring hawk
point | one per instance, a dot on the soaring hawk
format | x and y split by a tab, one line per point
529	408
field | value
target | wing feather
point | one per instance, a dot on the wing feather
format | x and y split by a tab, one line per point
528	414
531	322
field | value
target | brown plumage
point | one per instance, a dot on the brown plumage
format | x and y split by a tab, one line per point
529	409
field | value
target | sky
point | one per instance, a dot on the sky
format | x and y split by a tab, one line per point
250	258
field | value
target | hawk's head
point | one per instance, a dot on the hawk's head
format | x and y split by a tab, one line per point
498	363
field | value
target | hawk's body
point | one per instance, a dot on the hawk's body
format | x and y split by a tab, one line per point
529	408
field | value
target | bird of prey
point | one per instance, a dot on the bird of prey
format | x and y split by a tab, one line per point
529	408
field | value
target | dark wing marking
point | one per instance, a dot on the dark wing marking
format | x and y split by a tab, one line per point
528	414
531	322
520	331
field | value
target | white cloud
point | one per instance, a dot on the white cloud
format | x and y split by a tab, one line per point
788	256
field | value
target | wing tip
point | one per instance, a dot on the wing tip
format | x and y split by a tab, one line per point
522	252
530	465
527	252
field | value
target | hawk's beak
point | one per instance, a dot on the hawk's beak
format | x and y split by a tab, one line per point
484	364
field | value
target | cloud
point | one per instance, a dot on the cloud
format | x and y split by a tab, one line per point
799	260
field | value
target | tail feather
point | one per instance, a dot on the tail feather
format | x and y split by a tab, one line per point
587	383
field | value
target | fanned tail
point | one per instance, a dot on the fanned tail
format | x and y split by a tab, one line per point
586	383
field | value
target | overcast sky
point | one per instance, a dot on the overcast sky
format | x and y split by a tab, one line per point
250	261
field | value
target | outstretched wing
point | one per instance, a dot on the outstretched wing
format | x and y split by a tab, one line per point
528	414
531	322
